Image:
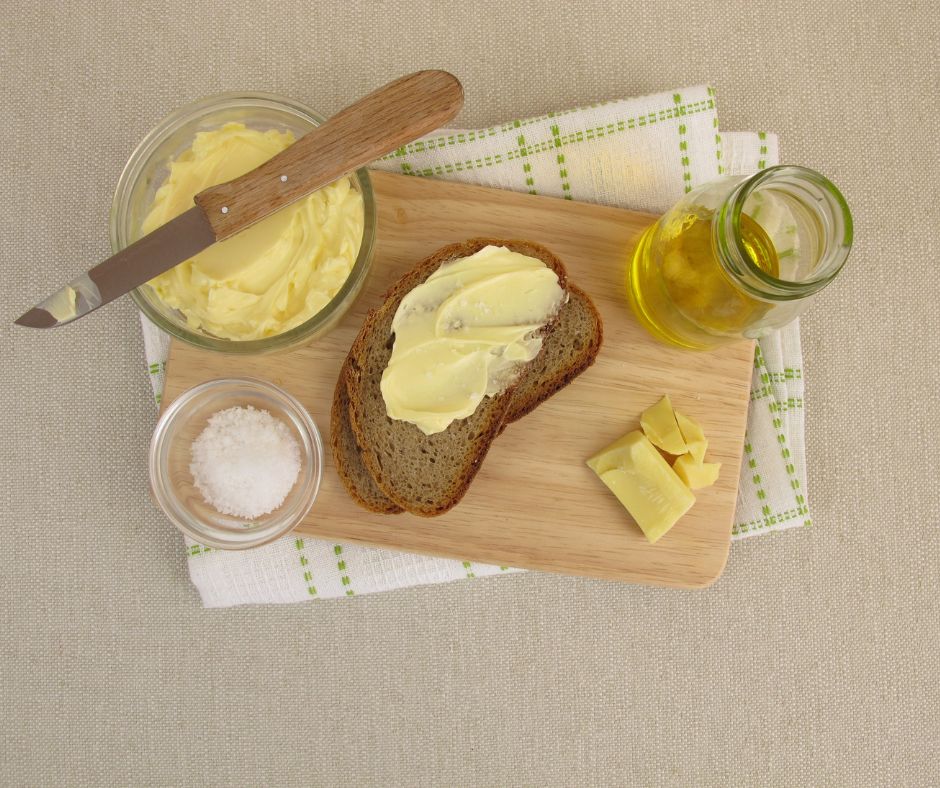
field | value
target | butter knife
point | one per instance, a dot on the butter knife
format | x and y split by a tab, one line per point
377	124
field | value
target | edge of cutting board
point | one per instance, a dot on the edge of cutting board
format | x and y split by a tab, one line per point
444	212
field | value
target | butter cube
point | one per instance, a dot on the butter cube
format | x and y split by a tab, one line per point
613	456
644	483
660	425
693	436
694	473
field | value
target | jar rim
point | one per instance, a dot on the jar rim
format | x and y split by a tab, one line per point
728	236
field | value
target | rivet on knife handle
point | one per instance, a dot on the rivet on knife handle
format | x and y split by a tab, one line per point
375	125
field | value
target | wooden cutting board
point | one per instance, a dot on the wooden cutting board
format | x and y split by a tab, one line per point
534	503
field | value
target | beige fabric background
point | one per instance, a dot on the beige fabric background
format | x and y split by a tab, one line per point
813	661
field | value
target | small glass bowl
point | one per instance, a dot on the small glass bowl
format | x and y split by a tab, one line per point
147	169
171	481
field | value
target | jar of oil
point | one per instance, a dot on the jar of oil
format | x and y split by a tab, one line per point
739	257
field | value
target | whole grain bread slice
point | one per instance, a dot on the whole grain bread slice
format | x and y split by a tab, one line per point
427	475
423	474
566	352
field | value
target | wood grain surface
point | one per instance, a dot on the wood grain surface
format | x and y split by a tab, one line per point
534	504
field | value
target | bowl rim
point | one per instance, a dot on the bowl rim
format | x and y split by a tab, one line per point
158	476
132	171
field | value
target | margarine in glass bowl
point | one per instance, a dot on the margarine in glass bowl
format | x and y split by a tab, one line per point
220	303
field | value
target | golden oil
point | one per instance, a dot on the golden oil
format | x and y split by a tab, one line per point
679	289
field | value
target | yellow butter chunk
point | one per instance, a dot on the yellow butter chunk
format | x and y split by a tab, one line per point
644	483
694	473
693	436
659	424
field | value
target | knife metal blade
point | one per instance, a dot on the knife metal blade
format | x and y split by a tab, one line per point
177	240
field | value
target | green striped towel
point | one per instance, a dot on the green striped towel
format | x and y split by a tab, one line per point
641	153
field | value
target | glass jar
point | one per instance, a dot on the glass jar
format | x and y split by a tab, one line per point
148	167
740	257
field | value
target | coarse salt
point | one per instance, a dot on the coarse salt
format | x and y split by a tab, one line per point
245	462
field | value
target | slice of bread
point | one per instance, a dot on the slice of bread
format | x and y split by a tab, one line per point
390	465
566	352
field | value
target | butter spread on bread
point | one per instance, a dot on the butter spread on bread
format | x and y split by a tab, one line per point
464	333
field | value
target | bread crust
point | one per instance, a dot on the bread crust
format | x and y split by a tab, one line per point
348	459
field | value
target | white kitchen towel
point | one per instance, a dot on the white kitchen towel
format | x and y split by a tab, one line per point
641	153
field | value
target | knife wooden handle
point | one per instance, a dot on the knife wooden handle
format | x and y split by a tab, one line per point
381	122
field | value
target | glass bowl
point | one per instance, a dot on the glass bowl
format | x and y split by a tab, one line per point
148	167
171	481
